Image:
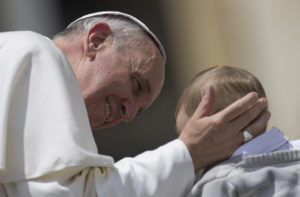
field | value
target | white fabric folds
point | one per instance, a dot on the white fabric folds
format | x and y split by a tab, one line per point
46	144
36	79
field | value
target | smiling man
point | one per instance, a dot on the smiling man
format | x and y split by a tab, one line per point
102	69
119	73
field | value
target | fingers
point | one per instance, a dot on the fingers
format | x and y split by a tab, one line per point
252	113
256	128
259	125
239	107
206	104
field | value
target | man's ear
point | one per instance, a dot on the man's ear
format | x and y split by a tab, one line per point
95	37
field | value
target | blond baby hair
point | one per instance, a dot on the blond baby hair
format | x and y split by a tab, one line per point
229	83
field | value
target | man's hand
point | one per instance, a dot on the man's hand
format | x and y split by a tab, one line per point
214	138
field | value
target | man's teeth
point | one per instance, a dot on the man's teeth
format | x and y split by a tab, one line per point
107	109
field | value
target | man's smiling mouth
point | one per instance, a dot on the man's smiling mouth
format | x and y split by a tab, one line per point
107	110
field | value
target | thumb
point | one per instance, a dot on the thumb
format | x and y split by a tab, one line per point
206	104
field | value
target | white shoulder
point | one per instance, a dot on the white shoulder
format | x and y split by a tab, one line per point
29	49
28	42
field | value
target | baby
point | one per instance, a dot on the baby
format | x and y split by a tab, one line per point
229	85
265	166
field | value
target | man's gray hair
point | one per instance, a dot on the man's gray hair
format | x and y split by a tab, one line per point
127	31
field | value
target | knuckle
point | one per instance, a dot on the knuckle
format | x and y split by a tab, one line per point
217	121
253	128
238	105
257	127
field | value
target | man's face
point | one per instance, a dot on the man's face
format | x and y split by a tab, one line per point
117	85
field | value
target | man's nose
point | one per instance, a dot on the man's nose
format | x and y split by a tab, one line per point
128	110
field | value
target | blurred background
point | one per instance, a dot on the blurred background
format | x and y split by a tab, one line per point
260	36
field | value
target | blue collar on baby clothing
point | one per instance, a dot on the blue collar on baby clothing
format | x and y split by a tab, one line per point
270	141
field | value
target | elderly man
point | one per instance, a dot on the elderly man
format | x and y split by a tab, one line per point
104	68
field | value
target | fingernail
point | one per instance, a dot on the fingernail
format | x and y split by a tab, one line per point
254	94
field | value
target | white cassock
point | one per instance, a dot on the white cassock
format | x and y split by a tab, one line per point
46	144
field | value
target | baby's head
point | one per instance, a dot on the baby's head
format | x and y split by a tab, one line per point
229	83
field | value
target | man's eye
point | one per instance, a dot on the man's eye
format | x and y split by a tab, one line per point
137	87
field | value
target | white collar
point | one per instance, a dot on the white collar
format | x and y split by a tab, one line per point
267	142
